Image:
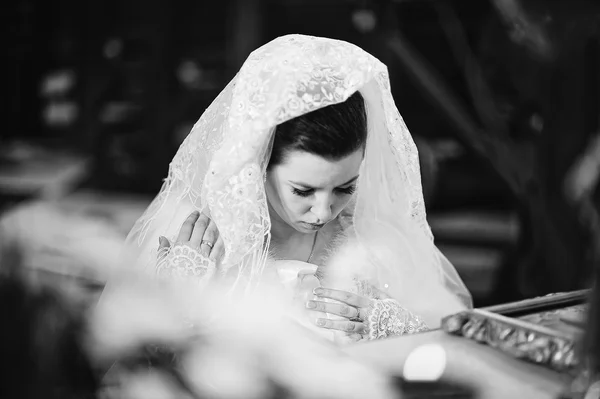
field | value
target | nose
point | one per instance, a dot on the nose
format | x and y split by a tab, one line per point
322	209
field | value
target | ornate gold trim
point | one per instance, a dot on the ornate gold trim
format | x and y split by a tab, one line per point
522	340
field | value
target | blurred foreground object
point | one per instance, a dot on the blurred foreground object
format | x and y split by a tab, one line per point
198	344
29	171
228	348
491	374
41	339
75	252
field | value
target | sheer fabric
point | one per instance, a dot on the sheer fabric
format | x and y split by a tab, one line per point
220	170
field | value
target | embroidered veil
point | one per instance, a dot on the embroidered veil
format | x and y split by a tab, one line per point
220	169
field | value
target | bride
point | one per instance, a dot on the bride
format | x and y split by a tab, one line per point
302	174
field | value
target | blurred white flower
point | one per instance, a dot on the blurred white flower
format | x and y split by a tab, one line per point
227	372
131	313
53	240
243	346
149	386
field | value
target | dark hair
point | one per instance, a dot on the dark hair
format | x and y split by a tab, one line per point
332	132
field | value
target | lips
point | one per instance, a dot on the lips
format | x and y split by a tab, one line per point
314	225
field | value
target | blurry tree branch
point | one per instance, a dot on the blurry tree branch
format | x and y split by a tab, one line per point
508	159
580	185
524	29
585	173
478	88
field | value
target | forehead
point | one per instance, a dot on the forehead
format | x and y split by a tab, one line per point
315	171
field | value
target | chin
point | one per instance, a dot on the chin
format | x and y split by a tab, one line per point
302	229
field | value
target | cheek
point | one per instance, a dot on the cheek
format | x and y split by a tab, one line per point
285	201
340	203
294	204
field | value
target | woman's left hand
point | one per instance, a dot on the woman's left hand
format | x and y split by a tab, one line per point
352	307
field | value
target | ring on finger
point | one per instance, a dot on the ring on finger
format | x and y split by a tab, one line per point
356	317
361	315
207	243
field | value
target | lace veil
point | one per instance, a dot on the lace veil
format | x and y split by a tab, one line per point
220	169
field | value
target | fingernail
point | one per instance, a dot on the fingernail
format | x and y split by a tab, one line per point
162	240
425	363
318	291
196	213
320	322
311	305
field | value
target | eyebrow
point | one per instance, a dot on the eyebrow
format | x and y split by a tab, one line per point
304	185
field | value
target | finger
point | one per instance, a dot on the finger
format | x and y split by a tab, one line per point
210	237
163	248
163	243
199	230
188	227
364	313
342	325
355	337
340	309
218	250
343	296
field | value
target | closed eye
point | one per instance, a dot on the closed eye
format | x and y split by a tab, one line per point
347	190
302	193
340	190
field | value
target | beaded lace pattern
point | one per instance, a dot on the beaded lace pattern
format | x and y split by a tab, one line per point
220	167
388	318
182	262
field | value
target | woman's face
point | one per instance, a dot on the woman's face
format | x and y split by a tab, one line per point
307	191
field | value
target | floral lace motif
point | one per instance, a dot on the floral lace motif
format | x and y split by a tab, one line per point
387	318
182	262
220	167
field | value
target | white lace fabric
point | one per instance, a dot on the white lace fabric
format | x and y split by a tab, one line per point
220	169
182	262
387	318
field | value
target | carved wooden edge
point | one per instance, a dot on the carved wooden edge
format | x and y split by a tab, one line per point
545	303
530	342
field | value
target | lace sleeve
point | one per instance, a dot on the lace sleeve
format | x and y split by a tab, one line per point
180	261
388	318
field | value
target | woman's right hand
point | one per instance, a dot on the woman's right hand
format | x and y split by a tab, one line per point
199	232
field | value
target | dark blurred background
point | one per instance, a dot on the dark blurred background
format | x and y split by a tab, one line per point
501	96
